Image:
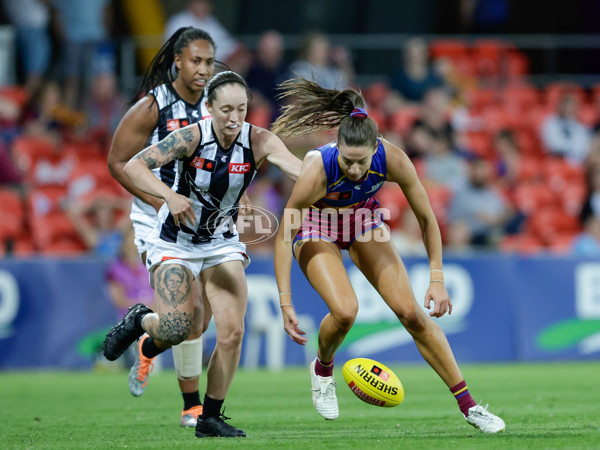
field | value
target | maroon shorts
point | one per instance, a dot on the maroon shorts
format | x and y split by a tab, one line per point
340	226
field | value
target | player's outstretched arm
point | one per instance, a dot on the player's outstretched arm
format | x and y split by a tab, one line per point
270	147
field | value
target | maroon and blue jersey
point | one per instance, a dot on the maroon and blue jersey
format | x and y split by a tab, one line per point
343	192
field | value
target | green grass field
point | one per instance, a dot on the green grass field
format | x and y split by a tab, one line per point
543	405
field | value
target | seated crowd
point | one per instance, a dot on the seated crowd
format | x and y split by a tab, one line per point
507	166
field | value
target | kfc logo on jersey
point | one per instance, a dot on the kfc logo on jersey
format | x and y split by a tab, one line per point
239	167
175	124
203	164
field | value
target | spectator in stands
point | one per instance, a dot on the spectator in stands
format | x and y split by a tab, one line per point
592	160
508	164
101	222
47	115
31	19
591	205
267	71
330	68
563	135
435	113
416	75
9	173
418	140
443	165
103	108
198	14
86	46
479	207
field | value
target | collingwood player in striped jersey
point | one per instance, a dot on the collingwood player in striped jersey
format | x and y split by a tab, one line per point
166	104
216	160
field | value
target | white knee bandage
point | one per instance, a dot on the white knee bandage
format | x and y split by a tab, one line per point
187	357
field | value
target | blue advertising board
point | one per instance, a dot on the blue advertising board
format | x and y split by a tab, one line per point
53	313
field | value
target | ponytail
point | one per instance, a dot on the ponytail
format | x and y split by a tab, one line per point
315	108
160	69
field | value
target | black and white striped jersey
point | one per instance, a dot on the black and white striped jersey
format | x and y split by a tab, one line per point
173	113
215	179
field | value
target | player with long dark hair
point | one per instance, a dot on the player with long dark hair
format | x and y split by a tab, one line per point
170	96
332	208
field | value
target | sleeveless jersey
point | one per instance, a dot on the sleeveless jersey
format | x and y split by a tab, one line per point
173	113
214	178
343	192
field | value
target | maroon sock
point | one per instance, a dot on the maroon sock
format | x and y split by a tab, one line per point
324	369
462	396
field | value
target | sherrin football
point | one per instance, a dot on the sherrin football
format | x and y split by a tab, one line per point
373	382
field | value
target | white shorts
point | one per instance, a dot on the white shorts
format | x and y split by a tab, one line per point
143	220
196	258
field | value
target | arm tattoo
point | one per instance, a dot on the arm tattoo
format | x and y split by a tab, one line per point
174	146
174	285
187	135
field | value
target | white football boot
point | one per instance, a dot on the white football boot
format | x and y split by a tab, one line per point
484	420
323	394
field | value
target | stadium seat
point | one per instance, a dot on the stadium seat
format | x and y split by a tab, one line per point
562	242
12	214
27	150
482	99
439	197
520	96
558	174
52	229
479	143
16	94
91	175
489	55
517	65
448	48
392	198
554	91
547	224
260	117
44	200
529	143
588	114
496	118
530	169
375	94
535	117
401	120
572	197
524	244
14	227
64	247
532	197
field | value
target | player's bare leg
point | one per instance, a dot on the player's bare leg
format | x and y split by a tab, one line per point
321	262
225	288
378	260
